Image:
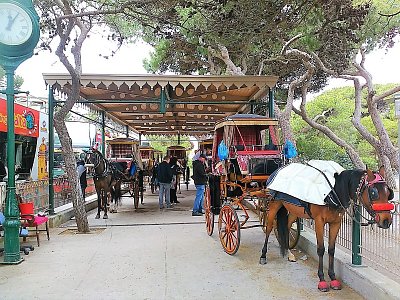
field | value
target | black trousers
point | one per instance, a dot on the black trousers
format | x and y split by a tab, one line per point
173	197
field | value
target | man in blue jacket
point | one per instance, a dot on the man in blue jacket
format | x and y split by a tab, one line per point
164	176
200	178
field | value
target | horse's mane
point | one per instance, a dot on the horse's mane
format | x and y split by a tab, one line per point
346	184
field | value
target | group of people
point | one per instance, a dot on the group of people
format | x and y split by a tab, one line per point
167	172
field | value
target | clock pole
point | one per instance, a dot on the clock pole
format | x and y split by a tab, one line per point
11	56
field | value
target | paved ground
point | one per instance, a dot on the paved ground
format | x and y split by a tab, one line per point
153	254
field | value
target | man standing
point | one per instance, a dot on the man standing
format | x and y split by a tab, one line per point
164	176
82	177
199	177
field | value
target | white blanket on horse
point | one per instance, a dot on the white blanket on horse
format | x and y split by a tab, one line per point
305	182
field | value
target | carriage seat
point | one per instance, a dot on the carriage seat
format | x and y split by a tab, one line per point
271	153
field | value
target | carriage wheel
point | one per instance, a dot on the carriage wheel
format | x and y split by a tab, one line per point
294	233
209	214
229	229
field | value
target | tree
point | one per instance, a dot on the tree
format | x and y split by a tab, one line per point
239	37
332	109
253	37
70	22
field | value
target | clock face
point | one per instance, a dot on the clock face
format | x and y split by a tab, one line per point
15	24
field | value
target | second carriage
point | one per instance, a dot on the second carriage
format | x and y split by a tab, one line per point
125	151
246	151
180	153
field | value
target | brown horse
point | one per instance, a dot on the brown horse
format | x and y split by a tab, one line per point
351	187
107	181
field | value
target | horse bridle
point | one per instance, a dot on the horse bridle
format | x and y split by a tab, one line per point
97	162
373	195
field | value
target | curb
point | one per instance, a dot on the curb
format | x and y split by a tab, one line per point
363	279
65	214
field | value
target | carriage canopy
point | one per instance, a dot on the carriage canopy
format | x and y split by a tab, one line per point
178	151
250	139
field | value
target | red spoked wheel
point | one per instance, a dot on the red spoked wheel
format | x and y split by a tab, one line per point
229	229
208	212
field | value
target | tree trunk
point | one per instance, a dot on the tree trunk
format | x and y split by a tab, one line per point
70	165
64	30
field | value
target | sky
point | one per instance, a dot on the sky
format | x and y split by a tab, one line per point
384	67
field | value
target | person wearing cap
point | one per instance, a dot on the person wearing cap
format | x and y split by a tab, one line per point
200	178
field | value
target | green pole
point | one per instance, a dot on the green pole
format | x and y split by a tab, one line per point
127	131
11	224
103	133
163	102
356	237
271	102
51	150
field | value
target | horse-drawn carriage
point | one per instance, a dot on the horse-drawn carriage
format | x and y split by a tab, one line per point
249	162
125	152
205	147
245	152
147	156
180	153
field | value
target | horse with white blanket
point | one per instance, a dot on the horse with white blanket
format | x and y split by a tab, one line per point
323	191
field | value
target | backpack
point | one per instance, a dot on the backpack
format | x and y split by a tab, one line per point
289	150
223	152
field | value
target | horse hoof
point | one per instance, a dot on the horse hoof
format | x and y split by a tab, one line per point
291	257
97	217
336	285
323	286
263	260
105	217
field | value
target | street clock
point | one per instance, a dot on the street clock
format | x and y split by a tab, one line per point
15	24
19	29
19	34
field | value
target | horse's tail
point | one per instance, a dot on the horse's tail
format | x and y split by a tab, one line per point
283	231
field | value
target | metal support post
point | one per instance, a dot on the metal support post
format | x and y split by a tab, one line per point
271	102
51	150
11	224
356	237
163	101
103	133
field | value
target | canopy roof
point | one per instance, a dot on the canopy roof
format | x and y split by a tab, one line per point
167	104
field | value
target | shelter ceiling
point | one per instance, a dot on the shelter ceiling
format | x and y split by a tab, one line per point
167	104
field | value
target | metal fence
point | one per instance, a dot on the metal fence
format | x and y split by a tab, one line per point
63	190
379	248
38	192
31	191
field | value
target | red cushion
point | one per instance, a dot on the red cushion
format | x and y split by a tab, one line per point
40	220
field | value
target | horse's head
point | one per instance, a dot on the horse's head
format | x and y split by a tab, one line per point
94	157
375	195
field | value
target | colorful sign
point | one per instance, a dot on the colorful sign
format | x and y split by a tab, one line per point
26	120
